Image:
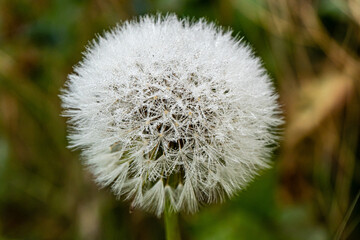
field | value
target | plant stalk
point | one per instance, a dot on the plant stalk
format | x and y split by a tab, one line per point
171	224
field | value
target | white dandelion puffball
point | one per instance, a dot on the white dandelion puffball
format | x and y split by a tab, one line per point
171	112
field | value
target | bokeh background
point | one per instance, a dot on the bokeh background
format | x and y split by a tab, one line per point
310	48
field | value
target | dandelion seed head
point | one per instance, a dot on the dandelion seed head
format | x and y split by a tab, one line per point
165	109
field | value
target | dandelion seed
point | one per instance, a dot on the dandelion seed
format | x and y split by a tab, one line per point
194	152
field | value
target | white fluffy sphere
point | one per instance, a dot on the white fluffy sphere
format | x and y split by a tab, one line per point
171	111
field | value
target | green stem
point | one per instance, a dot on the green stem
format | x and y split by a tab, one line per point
171	224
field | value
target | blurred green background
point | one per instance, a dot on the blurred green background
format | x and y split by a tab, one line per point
311	50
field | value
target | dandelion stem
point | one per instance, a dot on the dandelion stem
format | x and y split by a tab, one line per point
171	224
